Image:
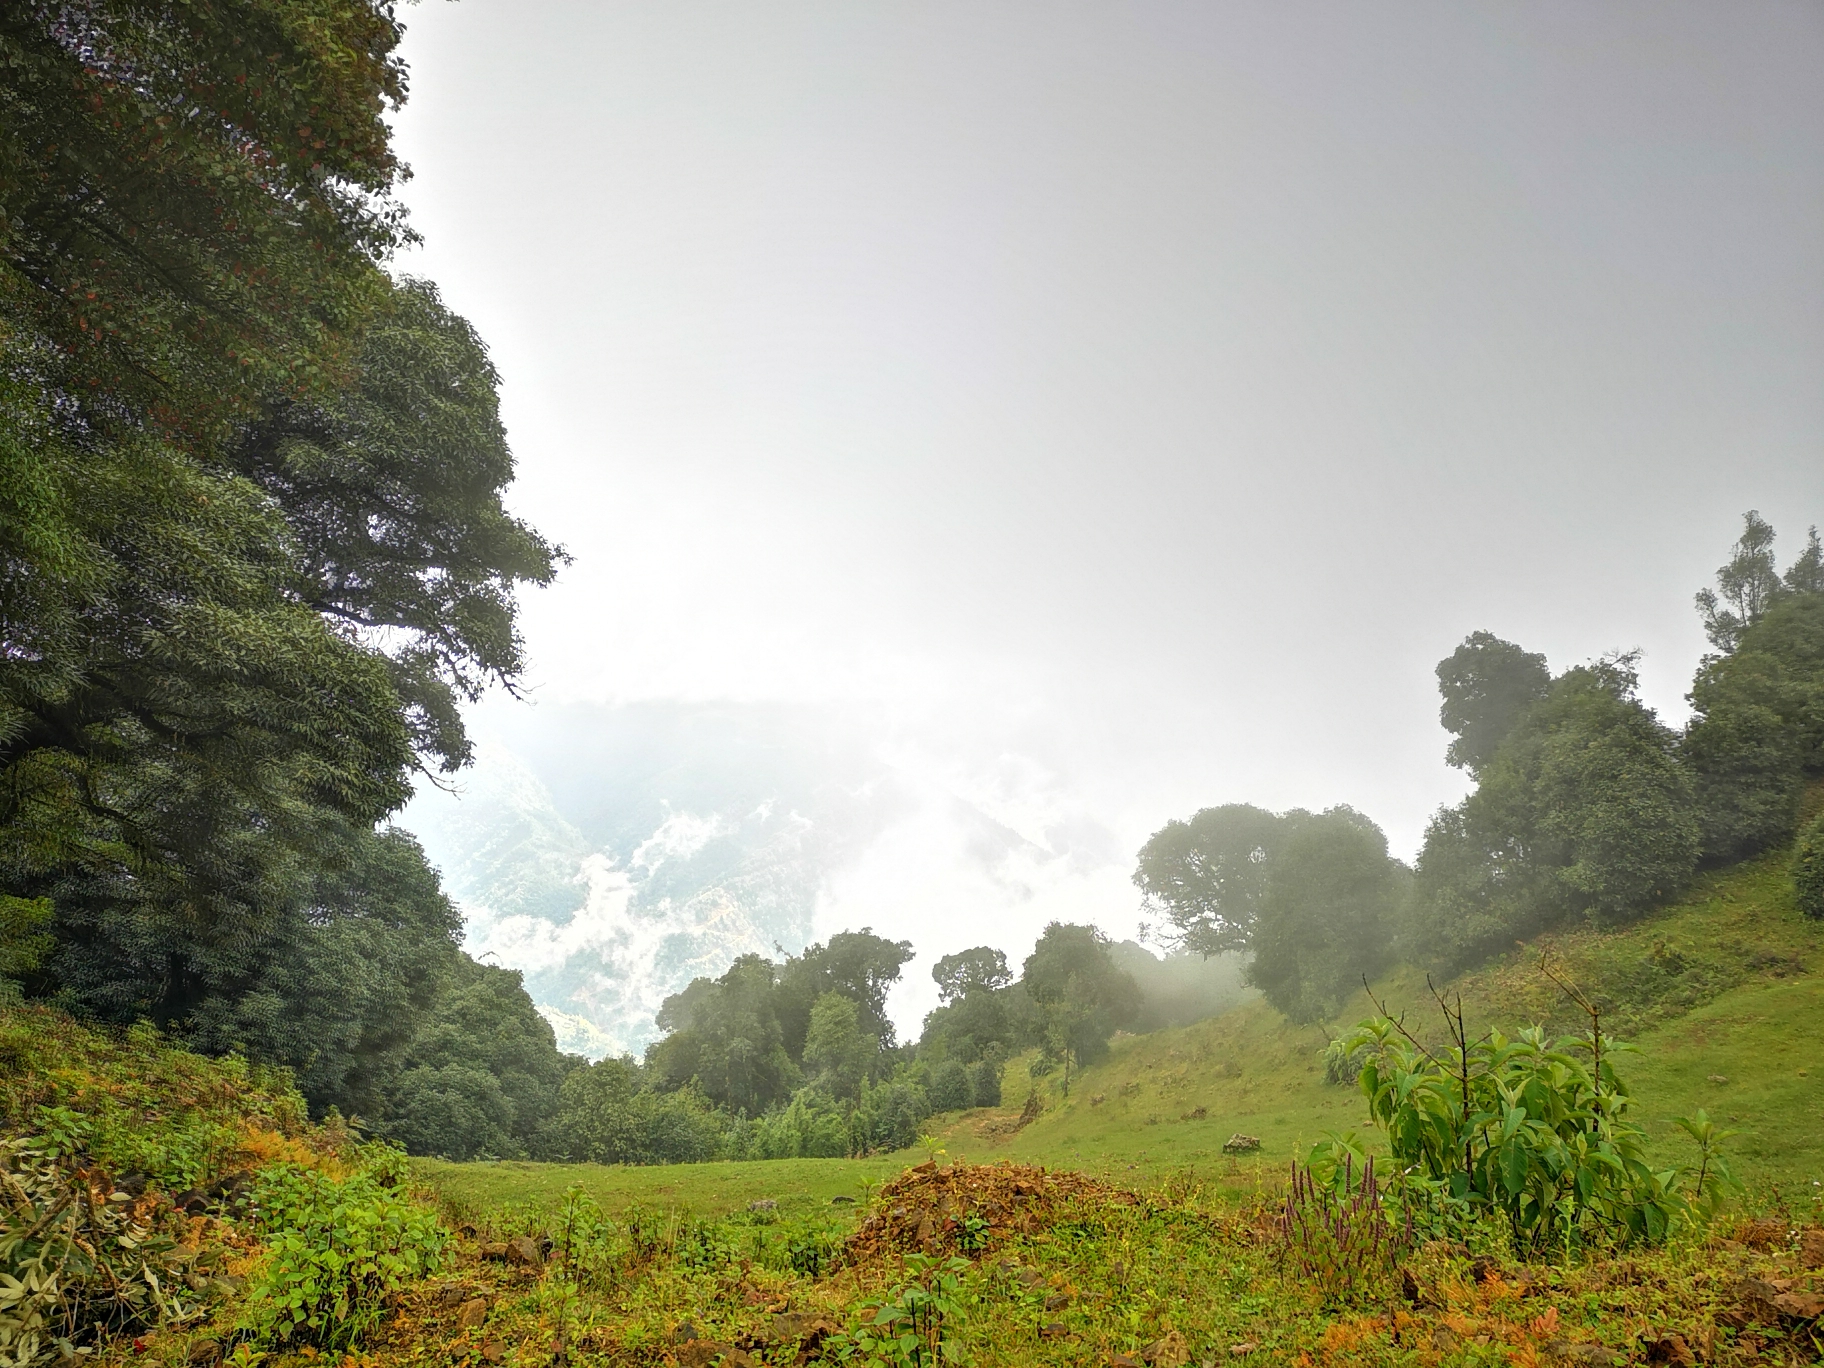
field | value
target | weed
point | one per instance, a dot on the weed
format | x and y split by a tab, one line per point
916	1325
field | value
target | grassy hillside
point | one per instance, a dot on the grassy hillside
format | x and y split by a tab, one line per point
1727	984
1720	993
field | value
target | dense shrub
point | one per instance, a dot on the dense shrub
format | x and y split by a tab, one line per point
1532	1130
336	1248
1808	870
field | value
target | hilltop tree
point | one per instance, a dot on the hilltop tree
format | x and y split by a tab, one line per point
980	969
1326	913
837	1053
1755	734
1082	995
1584	811
1206	877
859	965
1487	684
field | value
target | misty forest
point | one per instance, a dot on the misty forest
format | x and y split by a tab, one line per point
258	564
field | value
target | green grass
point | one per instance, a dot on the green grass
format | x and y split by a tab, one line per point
474	1190
1726	983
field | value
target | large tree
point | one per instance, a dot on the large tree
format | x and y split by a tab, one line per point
1487	684
1206	877
1327	913
1083	996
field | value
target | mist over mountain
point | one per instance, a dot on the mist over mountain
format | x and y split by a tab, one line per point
613	853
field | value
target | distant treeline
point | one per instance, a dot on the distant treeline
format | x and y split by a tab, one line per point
780	1060
1587	808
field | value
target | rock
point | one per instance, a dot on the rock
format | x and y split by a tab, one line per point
204	1353
1057	1301
1241	1144
1811	1248
701	1353
1444	1339
1583	1355
1758	1299
473	1314
524	1251
1172	1350
1053	1331
493	1351
1031	1277
764	1204
1803	1306
683	1333
842	1201
496	1252
1123	1361
802	1327
1671	1349
1243	1349
452	1296
1718	1079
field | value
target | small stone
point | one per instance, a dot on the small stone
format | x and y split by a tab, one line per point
1803	1306
1241	1144
1811	1248
840	1200
794	1327
493	1351
473	1314
452	1296
524	1251
205	1352
1672	1350
764	1204
1123	1361
1057	1301
495	1252
1171	1350
1243	1349
1718	1079
683	1333
1444	1339
1052	1331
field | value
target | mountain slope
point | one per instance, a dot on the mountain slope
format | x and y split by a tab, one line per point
1722	994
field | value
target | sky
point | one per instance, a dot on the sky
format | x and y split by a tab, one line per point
1108	410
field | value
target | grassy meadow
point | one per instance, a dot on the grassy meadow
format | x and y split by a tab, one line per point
1720	994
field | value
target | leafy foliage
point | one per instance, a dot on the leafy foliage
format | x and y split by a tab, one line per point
1207	877
1326	919
335	1249
1584	811
916	1324
77	1263
1531	1129
1083	996
1488	684
1808	870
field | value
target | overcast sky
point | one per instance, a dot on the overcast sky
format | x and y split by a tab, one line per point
1131	401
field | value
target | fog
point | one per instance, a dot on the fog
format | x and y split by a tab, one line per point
1067	416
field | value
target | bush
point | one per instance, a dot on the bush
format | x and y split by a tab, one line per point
75	1269
1808	870
335	1249
985	1083
949	1087
1531	1130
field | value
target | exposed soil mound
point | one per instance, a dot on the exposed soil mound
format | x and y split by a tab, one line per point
970	1208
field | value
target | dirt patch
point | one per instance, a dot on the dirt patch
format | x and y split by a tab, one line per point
970	1208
